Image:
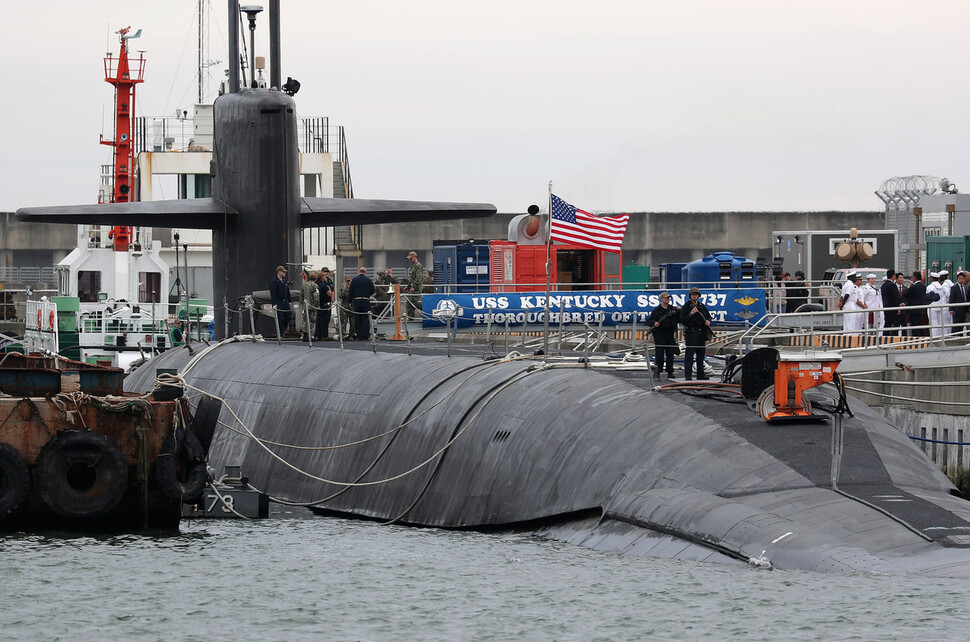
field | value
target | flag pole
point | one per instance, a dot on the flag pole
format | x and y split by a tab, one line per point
545	330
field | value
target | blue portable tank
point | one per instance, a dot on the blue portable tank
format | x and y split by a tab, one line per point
671	276
720	269
461	267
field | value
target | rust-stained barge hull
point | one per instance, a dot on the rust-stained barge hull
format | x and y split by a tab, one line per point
78	453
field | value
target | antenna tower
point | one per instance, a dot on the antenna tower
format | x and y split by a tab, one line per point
123	75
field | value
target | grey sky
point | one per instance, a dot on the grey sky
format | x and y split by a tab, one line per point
625	106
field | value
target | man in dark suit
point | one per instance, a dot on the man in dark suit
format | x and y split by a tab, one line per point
360	292
958	299
916	295
892	297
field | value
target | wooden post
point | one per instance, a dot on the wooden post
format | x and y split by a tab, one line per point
397	315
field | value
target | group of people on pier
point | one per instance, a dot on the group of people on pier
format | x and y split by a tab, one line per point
947	313
318	297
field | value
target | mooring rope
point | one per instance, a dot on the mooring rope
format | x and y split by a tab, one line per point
247	431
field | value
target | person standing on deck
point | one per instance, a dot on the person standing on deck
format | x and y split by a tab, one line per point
663	324
325	286
852	301
797	291
415	283
873	299
344	315
309	304
937	297
959	294
360	292
892	297
697	324
916	295
279	294
945	296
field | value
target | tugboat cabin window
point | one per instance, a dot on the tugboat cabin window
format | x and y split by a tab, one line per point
88	285
149	287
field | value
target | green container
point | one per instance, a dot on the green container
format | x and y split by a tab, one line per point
67	303
66	321
68	339
636	277
947	253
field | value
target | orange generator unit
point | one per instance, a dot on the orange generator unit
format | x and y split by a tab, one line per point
796	373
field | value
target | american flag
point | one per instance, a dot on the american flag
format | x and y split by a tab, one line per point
576	227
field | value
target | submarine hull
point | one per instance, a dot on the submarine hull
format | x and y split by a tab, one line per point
594	456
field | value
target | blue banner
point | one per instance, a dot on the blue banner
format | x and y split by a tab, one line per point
613	307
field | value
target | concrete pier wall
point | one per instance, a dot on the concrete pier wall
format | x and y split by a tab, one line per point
936	427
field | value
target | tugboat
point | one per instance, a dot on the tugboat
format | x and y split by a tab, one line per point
78	453
107	310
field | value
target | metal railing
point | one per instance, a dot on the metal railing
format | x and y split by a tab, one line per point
27	275
344	158
635	286
820	328
170	133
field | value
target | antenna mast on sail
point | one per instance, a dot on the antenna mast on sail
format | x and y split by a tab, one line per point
203	46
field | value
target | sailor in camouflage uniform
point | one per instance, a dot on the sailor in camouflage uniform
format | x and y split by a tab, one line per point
385	279
415	283
309	303
344	297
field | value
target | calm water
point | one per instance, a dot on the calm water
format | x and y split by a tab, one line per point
300	577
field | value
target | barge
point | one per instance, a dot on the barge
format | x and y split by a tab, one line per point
78	453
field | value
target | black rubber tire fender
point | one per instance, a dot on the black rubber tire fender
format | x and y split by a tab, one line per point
205	420
81	474
167	393
181	471
14	480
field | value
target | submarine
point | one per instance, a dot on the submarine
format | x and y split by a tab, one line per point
587	453
584	451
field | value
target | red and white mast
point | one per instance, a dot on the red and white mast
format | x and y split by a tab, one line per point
123	75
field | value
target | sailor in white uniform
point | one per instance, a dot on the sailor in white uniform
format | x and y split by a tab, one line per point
872	297
852	302
937	305
945	296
